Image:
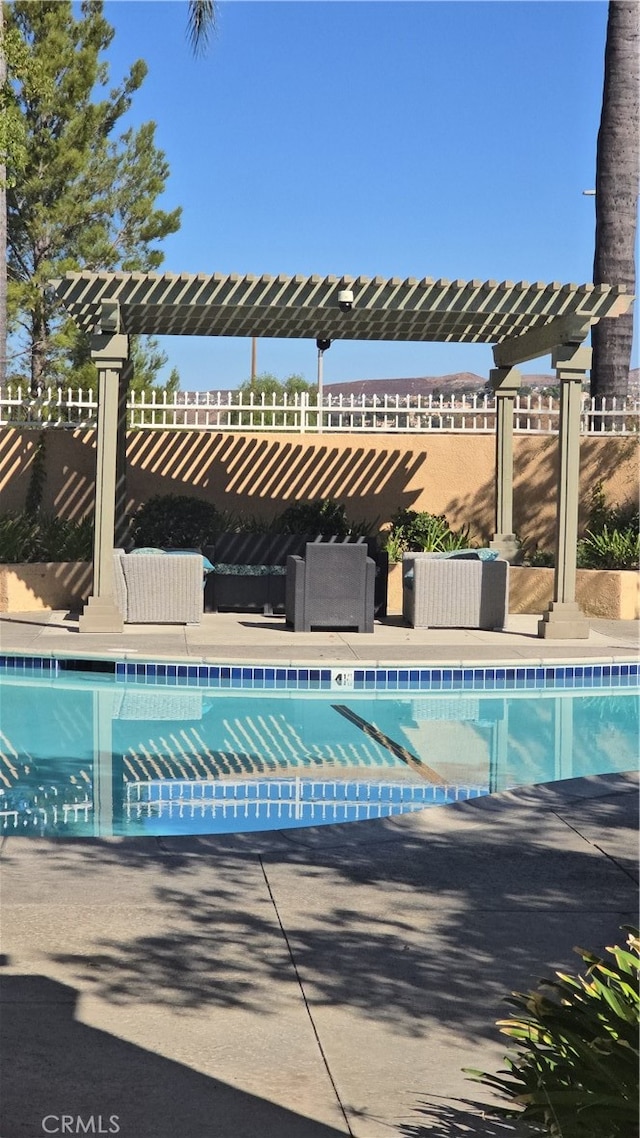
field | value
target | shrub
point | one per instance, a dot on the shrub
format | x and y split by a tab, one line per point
609	549
422	532
323	516
18	537
29	538
576	1073
177	521
612	540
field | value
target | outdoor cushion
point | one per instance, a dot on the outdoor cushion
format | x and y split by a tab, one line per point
249	570
468	554
207	567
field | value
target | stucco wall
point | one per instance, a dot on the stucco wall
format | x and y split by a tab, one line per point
374	475
602	593
46	585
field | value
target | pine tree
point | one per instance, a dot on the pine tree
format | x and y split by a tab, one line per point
85	198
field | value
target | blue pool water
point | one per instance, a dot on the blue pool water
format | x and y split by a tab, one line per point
140	752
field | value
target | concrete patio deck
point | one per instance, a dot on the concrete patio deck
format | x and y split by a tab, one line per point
255	639
303	983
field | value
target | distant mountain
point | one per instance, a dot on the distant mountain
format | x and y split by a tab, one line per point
460	381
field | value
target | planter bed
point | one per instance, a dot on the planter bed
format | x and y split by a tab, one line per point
45	585
609	594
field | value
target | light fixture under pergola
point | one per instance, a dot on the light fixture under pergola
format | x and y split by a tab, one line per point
521	321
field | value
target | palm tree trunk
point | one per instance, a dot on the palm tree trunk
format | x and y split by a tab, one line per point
617	178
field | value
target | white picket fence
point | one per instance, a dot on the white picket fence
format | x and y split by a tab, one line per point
231	411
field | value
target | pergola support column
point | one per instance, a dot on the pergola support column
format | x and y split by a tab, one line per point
110	354
505	383
121	519
564	619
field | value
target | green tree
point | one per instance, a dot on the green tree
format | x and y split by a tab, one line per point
85	198
617	176
3	206
269	386
12	151
146	357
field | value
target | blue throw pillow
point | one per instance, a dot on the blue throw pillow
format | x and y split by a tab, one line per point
207	566
468	555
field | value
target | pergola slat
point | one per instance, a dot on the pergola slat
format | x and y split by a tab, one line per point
307	306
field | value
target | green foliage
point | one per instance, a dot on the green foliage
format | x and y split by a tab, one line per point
413	531
576	1072
613	517
541	558
177	521
609	549
274	390
78	196
323	516
36	537
147	359
612	540
37	479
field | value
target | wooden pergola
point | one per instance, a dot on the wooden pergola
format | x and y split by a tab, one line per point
521	322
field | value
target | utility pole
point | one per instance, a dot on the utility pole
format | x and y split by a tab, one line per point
322	346
254	361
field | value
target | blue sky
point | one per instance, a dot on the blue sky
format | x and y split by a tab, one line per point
445	139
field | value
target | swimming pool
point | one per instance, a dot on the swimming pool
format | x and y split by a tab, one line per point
133	749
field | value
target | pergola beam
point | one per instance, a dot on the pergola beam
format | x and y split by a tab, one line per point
540	341
299	307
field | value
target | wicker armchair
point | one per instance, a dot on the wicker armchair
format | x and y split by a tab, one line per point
454	592
158	588
331	587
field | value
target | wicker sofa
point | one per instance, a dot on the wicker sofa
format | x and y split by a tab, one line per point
250	570
461	591
157	588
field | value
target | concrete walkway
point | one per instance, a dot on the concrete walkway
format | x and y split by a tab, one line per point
255	639
303	983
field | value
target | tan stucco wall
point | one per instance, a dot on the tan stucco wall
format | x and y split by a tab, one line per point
600	592
46	585
374	475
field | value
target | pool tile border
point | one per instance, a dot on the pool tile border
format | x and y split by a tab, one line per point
359	678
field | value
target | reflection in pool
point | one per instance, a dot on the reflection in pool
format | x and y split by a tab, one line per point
103	757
